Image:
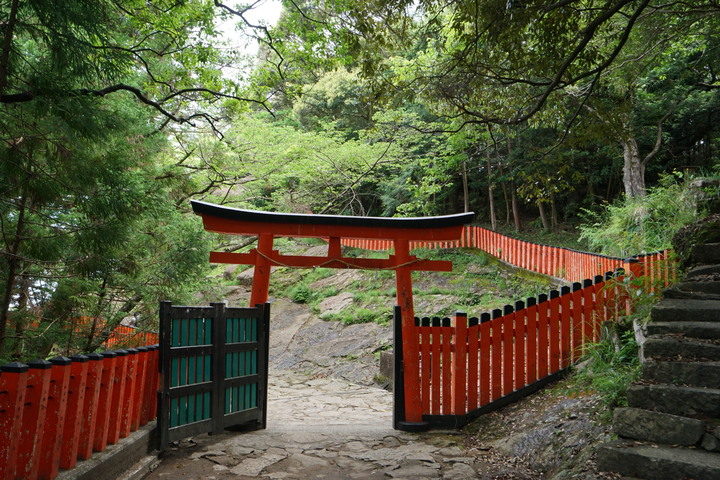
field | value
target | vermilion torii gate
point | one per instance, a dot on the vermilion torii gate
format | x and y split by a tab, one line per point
268	225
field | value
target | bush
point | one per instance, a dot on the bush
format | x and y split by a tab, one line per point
609	367
641	224
300	293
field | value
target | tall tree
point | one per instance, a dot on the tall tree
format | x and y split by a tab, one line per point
163	53
500	62
81	217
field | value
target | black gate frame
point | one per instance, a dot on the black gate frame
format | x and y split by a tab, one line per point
213	385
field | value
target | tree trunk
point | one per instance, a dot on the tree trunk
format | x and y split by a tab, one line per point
633	169
8	34
508	210
13	267
513	191
92	335
515	207
491	198
553	212
22	305
466	189
543	216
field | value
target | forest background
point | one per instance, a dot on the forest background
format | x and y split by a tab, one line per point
535	114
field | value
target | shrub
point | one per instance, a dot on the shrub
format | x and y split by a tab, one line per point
609	367
300	293
641	224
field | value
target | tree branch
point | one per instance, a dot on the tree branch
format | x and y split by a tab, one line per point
269	41
157	105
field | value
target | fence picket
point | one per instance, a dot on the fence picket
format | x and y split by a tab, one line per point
13	387
104	408
55	418
446	366
127	404
531	341
519	319
75	411
497	345
565	327
576	324
485	355
508	347
426	376
543	339
92	394
588	301
33	418
473	369
436	377
555	321
459	364
118	379
140	385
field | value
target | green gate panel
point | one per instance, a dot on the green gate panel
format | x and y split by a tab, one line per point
213	365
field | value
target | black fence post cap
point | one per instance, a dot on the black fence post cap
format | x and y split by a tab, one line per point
60	361
14	367
40	364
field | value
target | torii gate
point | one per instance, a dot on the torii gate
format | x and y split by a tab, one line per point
268	225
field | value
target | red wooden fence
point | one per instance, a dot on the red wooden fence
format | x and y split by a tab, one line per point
470	367
565	263
124	336
54	413
467	364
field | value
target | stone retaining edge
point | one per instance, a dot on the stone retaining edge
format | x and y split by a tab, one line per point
132	458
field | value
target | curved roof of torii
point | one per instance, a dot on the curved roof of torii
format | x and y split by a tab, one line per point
220	219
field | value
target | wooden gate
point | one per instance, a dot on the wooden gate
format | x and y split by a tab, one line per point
214	369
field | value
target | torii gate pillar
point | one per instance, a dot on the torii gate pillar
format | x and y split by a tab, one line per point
261	274
401	231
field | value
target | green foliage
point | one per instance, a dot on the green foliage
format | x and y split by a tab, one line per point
301	290
339	97
641	224
609	367
90	231
352	316
270	166
300	293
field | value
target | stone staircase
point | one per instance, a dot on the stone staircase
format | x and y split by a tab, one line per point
671	428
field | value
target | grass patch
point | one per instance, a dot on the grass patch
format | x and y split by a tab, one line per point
353	316
301	292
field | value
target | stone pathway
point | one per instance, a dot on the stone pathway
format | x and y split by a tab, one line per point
328	428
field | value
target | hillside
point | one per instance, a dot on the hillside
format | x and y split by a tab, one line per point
335	322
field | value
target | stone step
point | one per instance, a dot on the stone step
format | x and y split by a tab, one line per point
707	254
696	374
681	348
697	290
704	273
686	310
707	330
694	402
651	426
658	462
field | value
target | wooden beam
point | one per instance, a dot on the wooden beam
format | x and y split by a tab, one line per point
299	261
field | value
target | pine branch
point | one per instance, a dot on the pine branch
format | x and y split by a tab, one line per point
157	105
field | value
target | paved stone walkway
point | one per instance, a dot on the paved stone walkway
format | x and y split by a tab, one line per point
327	428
